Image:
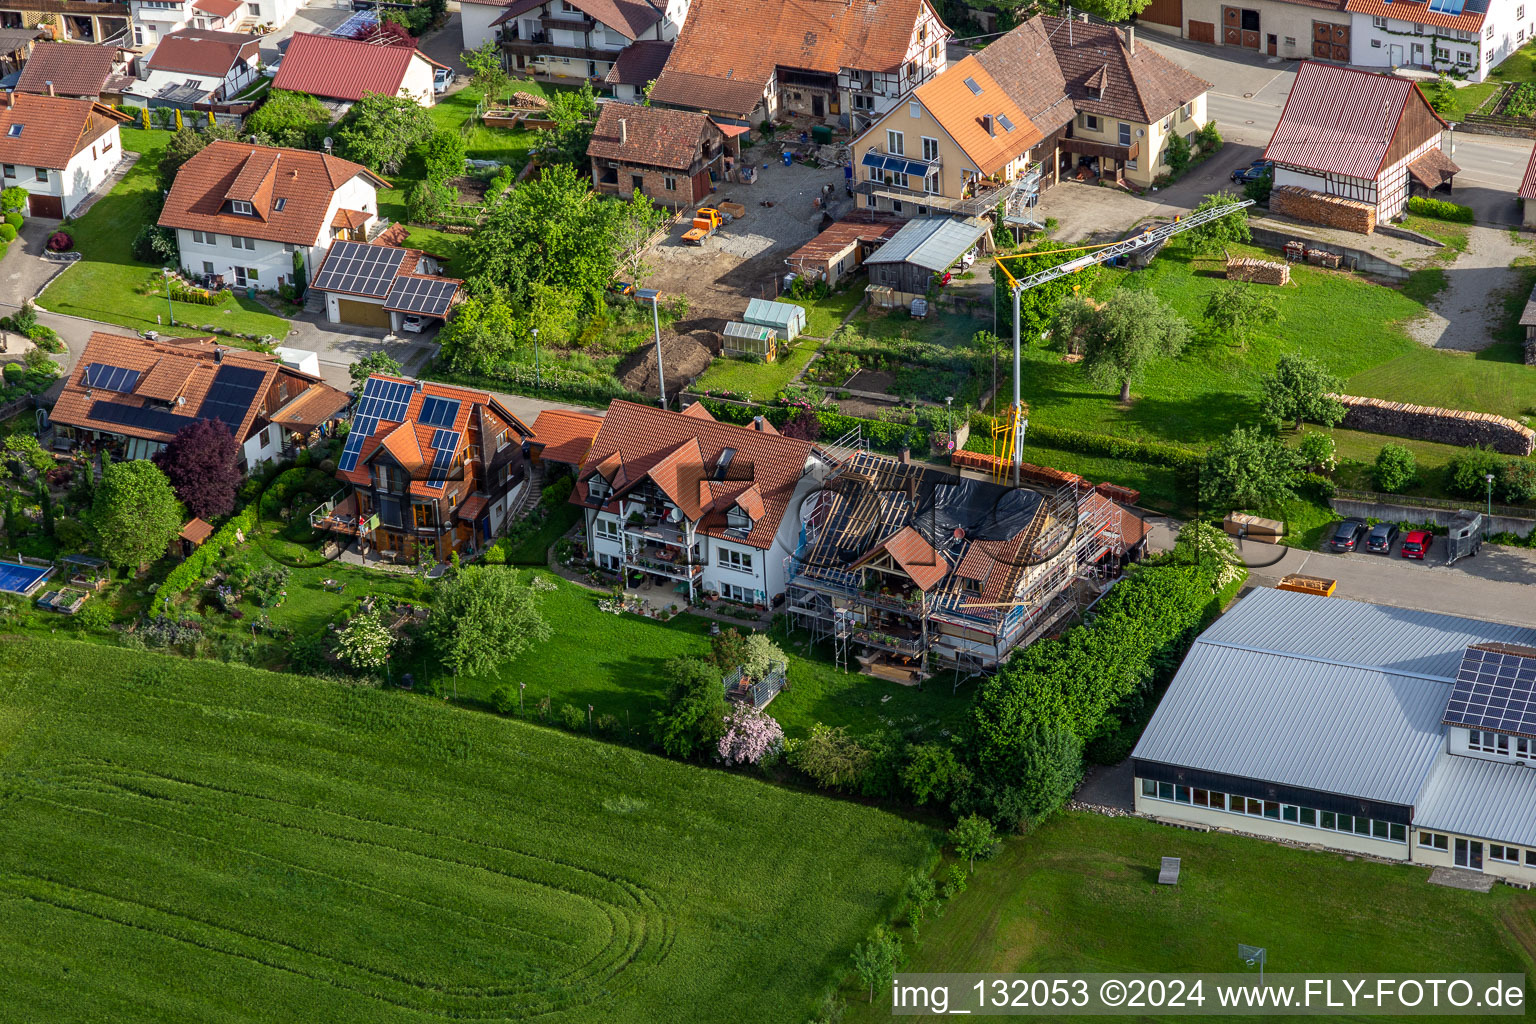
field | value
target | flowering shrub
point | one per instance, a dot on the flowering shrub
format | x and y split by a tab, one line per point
750	734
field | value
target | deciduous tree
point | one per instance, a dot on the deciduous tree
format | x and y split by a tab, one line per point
693	718
1299	391
973	836
1037	305
1249	468
875	961
1125	335
481	333
365	642
134	513
832	758
1395	467
482	618
575	115
1214	235
1237	309
380	130
370	364
486	68
202	464
750	735
293	119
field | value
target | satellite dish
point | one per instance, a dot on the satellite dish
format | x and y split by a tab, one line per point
327	143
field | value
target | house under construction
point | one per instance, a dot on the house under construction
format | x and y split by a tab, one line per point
909	569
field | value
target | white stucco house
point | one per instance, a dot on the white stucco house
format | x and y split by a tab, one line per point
194	66
58	149
243	212
153	20
569	39
1467	37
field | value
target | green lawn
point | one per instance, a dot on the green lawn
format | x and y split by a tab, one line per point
1519	66
756	381
104	284
222	844
1357	454
823	316
1350	325
616	664
1080	894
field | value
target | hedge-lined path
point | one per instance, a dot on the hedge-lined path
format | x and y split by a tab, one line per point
1465	314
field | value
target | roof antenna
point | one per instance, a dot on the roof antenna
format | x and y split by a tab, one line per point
1069	24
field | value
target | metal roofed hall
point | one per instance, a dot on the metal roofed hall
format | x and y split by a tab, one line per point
1313	725
933	243
1356	633
1476	797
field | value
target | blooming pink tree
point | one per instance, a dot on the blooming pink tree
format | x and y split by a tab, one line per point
749	735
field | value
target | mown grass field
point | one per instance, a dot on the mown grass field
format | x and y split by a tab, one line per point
192	842
1350	325
1080	894
757	381
104	284
617	664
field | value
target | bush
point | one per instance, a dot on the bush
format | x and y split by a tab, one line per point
1517	483
13	372
14	219
155	244
573	717
831	758
1466	476
503	699
1439	209
1317	451
1395	468
1208	138
7	233
60	241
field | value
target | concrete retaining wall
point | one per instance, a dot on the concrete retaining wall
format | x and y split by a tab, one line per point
1274	236
1438	516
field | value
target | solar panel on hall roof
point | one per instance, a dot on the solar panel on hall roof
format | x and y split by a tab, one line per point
438	412
423	295
111	378
447	444
1495	689
359	269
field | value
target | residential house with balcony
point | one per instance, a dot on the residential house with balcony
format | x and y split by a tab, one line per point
1460	37
266	216
430	470
191	67
153	20
1053	97
906	568
687	502
69	21
845	62
1402	735
636	67
138	393
672	156
570	39
59	150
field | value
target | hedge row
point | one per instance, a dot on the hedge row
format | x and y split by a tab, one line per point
1439	209
195	569
879	434
1173	456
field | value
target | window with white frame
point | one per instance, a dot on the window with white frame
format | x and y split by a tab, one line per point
1489	33
1507	854
930	148
732	592
1520	13
613	563
239	206
915	110
1125	134
1463	58
728	558
1378	23
1441	53
669	183
597	487
1488	742
894	143
607	529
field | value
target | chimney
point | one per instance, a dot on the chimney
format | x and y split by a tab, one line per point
757	424
1130	39
218	354
50	88
986	123
623	131
906	454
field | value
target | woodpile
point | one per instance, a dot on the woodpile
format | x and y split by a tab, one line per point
1316	208
1246	268
1265	531
1445	426
1530	352
529	101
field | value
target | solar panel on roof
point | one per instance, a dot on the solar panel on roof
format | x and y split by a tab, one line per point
366	419
231	395
359	269
423	295
140	417
111	378
970	83
447	444
438	412
1495	689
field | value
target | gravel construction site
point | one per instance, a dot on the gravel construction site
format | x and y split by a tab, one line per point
745	258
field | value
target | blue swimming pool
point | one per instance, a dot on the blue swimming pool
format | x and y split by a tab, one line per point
22	579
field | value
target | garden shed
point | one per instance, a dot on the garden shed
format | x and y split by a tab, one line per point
744	340
924	247
786	319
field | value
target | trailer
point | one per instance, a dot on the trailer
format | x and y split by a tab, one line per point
1464	536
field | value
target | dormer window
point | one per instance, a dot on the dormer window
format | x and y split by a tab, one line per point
736	519
239	206
597	487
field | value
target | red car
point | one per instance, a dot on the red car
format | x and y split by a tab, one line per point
1416	544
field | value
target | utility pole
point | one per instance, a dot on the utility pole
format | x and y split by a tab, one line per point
537	378
661	378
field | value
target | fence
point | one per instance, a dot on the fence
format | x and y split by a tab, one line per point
1444	504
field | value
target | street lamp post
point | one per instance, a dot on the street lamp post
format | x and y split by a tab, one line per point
1489	477
170	310
661	378
537	377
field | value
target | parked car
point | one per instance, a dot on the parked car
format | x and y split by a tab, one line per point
1381	538
1348	535
1253	172
412	323
442	78
1416	544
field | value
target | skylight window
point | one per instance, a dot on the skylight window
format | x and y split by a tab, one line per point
970	83
278	204
1002	119
14	130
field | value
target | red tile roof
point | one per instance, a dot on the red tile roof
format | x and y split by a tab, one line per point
1102	75
75	69
913	554
305	181
175	377
639	63
52	129
564	436
199	52
1342	121
343	69
679	452
1528	183
196	531
1419	13
628	17
653	136
961	112
728	49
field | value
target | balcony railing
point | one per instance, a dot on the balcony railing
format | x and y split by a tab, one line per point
887	640
758	692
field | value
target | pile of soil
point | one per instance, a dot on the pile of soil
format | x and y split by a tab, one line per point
686	356
880	381
471	190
